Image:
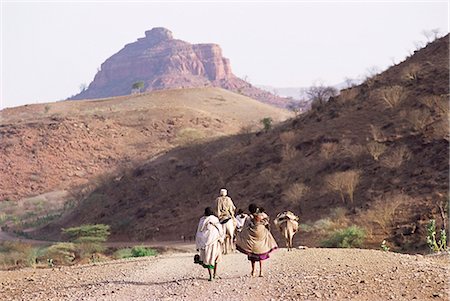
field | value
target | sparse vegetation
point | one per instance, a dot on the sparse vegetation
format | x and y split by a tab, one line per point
344	182
17	254
351	237
392	96
47	109
375	149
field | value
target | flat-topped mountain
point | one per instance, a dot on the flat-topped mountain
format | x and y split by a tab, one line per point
161	62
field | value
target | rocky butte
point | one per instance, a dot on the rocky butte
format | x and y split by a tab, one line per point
162	62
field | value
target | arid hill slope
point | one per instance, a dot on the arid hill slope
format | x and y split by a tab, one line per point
60	145
163	199
162	62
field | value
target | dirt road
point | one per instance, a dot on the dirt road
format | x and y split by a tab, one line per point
311	274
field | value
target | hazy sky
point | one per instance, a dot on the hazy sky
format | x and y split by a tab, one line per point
48	48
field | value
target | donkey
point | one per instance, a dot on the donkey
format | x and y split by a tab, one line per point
287	223
229	228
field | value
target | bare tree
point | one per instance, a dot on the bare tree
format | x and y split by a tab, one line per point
344	182
319	94
392	96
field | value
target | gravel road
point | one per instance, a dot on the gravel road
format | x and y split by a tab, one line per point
310	274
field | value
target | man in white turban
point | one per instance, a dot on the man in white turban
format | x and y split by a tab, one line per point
225	206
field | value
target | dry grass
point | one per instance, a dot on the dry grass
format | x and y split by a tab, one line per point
377	133
396	157
392	96
437	103
353	150
288	152
328	150
375	149
381	216
419	119
344	182
295	192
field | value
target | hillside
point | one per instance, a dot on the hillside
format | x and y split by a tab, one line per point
161	62
57	146
290	167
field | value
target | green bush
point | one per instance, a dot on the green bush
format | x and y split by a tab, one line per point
141	251
350	237
267	123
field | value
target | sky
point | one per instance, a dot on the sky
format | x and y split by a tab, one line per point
49	48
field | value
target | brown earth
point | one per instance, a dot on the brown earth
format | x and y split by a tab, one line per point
311	274
163	199
57	146
162	62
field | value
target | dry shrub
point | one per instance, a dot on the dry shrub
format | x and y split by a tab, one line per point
14	254
392	96
349	94
375	149
377	133
288	152
438	103
328	150
344	182
411	72
382	213
296	191
352	149
269	176
419	119
396	157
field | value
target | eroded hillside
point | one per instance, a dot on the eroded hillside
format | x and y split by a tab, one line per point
57	146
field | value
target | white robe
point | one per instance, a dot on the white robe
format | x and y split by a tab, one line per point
208	239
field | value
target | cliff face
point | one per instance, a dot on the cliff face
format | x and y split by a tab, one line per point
162	62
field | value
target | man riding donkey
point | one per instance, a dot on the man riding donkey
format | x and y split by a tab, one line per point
226	214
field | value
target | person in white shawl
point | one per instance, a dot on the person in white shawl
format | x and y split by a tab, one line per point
209	239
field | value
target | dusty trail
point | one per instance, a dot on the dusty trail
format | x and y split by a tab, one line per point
310	274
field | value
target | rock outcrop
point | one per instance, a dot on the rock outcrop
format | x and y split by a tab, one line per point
162	62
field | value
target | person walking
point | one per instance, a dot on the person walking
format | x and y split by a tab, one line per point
208	240
255	239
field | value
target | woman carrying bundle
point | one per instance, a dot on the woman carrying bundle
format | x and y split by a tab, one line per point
255	240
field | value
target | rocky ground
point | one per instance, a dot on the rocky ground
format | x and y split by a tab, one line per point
311	274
